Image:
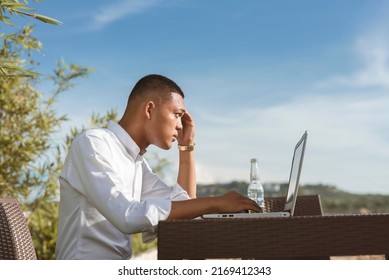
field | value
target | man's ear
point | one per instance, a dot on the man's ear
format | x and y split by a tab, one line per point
149	109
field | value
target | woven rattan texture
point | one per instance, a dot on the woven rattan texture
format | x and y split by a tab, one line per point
306	236
15	238
305	205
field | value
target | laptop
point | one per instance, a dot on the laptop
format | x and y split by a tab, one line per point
291	197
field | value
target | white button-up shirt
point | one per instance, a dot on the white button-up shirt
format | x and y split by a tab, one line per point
108	192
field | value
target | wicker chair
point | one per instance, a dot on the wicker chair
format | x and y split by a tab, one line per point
15	237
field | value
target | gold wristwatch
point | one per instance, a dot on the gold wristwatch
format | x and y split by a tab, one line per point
186	148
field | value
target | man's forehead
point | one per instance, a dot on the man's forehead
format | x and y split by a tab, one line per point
178	101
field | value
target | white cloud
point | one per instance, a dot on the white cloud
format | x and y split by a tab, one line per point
119	10
347	146
372	50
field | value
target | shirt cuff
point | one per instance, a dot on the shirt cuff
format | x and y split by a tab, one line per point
156	210
159	210
178	193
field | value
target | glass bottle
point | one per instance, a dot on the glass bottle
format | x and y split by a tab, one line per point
255	189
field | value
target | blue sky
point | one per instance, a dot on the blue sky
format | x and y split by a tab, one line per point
256	74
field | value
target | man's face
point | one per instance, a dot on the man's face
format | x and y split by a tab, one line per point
166	121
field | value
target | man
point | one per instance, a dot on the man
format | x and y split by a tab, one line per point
108	191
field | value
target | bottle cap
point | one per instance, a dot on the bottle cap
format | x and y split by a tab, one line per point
253	160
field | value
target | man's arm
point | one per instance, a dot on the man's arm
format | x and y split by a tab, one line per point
228	203
187	171
188	209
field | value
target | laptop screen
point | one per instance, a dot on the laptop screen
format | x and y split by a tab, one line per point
295	172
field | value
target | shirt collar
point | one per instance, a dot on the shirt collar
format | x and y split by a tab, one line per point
125	139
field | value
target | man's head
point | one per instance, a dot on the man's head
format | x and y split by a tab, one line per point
154	110
156	87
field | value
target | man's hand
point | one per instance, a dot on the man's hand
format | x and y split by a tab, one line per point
186	135
233	202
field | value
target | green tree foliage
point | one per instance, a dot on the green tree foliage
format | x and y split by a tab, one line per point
29	158
8	10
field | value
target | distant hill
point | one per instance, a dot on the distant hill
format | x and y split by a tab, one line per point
334	200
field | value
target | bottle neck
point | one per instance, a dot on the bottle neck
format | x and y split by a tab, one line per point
254	172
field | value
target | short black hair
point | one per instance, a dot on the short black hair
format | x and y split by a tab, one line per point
157	86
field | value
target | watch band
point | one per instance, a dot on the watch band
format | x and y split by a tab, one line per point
186	148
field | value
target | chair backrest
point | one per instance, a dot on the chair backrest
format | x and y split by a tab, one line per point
15	237
306	205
